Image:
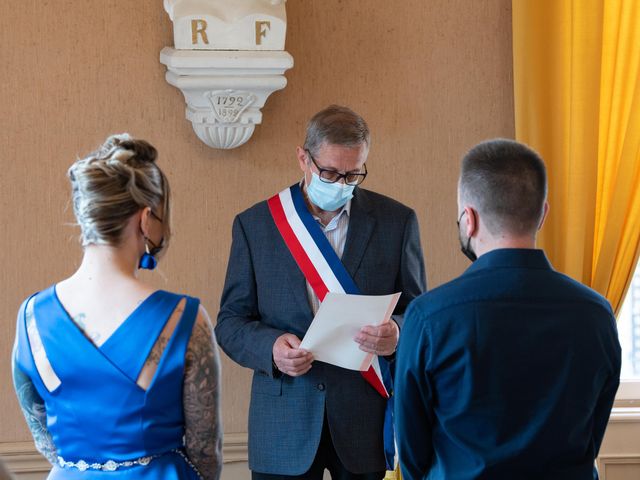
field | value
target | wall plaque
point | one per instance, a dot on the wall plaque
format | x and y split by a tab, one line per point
228	58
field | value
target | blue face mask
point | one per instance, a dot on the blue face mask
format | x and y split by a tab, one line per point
328	196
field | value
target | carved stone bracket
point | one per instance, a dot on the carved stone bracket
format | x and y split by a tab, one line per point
229	58
225	90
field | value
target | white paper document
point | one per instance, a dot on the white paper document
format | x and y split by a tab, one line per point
339	319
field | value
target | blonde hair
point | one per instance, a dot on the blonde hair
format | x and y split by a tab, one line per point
113	183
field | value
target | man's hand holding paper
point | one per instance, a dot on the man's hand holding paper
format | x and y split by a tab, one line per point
289	358
349	329
379	339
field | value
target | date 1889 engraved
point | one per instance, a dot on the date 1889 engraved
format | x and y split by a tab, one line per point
228	105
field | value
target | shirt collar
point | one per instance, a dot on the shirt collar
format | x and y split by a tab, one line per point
511	258
346	209
333	224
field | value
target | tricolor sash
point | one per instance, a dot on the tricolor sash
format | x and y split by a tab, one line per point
325	272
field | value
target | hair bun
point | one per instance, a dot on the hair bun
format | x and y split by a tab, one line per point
143	151
127	150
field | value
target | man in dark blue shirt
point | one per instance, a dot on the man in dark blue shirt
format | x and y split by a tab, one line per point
510	370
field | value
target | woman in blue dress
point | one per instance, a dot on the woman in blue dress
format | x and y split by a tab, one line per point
115	378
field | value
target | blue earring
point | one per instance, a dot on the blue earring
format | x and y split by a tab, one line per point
147	261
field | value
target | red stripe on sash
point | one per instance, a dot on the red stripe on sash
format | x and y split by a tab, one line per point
311	274
298	253
372	377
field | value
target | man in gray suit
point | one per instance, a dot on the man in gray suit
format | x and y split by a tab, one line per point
308	416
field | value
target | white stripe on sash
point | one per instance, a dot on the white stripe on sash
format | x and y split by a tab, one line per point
308	244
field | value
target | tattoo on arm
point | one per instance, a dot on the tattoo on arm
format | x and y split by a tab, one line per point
35	413
157	351
203	426
152	362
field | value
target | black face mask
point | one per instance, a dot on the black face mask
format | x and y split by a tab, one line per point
466	248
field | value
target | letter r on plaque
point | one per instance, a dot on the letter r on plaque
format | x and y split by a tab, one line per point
199	27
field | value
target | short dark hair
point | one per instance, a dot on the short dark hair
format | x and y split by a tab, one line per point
507	182
336	125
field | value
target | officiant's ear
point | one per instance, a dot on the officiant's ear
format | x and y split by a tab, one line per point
303	158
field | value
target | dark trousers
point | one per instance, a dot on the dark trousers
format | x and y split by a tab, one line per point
326	458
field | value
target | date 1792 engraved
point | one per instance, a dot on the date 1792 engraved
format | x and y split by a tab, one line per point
228	105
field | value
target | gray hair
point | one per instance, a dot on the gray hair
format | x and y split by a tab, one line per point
507	182
336	125
113	183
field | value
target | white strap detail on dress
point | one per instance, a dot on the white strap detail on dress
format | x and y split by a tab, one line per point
45	370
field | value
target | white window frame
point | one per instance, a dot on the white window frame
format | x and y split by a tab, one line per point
628	394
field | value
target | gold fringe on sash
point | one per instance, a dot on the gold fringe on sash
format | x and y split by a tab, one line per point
393	475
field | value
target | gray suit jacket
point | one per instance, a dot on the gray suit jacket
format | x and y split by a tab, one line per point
265	296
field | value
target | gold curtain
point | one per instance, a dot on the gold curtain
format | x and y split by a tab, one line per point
577	102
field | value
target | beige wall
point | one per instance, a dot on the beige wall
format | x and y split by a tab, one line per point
432	77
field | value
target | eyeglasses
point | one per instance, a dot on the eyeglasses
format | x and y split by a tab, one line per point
331	176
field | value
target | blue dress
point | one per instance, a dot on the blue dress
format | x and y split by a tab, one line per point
98	414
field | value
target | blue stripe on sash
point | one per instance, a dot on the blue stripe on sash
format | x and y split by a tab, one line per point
323	244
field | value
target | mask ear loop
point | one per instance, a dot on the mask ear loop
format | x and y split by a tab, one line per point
466	249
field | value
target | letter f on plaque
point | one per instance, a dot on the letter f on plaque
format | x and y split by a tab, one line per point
199	27
262	27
